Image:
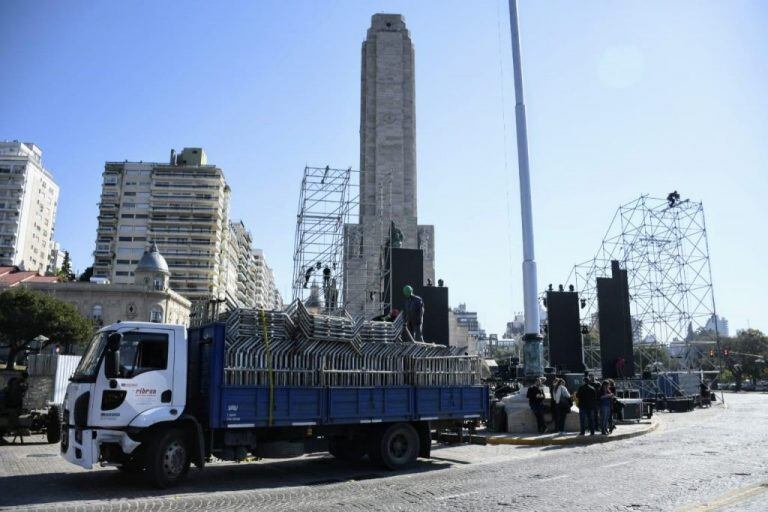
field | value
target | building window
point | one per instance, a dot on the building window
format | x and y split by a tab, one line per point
156	315
158	283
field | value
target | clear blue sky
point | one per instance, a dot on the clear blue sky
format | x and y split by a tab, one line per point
623	98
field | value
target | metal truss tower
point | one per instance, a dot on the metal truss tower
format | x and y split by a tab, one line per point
327	200
663	245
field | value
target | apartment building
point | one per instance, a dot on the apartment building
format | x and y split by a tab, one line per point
56	258
28	201
267	294
250	281
182	205
241	268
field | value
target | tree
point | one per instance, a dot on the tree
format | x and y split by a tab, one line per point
747	353
648	354
65	274
86	275
25	315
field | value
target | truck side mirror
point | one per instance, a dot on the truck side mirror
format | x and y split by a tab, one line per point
112	357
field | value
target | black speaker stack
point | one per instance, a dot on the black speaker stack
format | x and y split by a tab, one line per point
406	267
566	351
616	349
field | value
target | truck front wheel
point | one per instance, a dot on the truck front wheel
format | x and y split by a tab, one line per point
53	425
167	458
398	447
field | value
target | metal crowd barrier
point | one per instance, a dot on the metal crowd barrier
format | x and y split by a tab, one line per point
296	348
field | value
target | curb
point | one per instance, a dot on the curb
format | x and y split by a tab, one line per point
577	440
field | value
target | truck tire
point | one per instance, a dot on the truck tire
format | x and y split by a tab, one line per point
346	449
53	425
167	458
397	447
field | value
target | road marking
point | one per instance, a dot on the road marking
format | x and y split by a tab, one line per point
729	498
618	464
441	498
456	461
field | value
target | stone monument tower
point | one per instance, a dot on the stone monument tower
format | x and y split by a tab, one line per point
387	166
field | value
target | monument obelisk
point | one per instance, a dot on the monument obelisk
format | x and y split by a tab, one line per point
388	191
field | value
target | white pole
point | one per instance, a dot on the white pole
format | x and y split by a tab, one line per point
533	347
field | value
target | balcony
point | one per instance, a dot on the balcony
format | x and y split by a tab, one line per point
160	199
12	185
185	209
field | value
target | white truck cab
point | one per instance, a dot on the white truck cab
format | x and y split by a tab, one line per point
132	377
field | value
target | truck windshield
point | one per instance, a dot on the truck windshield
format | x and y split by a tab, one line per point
89	365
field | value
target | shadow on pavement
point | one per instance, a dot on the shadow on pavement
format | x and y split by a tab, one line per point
112	484
6	443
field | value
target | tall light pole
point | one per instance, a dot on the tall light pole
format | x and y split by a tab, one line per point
533	351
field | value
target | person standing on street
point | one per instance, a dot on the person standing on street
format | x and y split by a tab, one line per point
596	409
414	313
535	397
606	403
561	404
587	401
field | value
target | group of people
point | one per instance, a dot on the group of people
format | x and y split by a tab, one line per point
596	401
561	403
597	405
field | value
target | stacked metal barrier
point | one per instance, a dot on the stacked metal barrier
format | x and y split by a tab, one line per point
380	332
303	349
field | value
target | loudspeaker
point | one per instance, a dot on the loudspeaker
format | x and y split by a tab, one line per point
615	324
435	328
405	267
564	331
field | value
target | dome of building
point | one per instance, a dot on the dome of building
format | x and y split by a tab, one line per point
152	261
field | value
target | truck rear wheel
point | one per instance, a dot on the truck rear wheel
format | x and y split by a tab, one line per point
168	458
398	447
53	425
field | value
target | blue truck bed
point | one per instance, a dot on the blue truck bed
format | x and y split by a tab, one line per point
248	406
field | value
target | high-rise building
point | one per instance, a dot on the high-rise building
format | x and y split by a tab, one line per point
267	294
468	319
182	205
241	268
274	297
718	325
28	201
56	260
387	166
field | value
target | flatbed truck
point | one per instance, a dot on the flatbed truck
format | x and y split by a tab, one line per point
151	398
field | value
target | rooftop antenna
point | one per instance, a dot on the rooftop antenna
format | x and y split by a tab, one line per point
533	348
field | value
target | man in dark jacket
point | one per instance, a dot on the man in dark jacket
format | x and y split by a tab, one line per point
535	397
596	409
414	313
587	404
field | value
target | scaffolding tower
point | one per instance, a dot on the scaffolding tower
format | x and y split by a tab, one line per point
327	201
662	243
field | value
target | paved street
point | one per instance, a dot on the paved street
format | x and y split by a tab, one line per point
713	459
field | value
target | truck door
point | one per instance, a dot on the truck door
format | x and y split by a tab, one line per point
145	379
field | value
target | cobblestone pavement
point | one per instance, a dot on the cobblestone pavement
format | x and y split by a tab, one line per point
714	459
